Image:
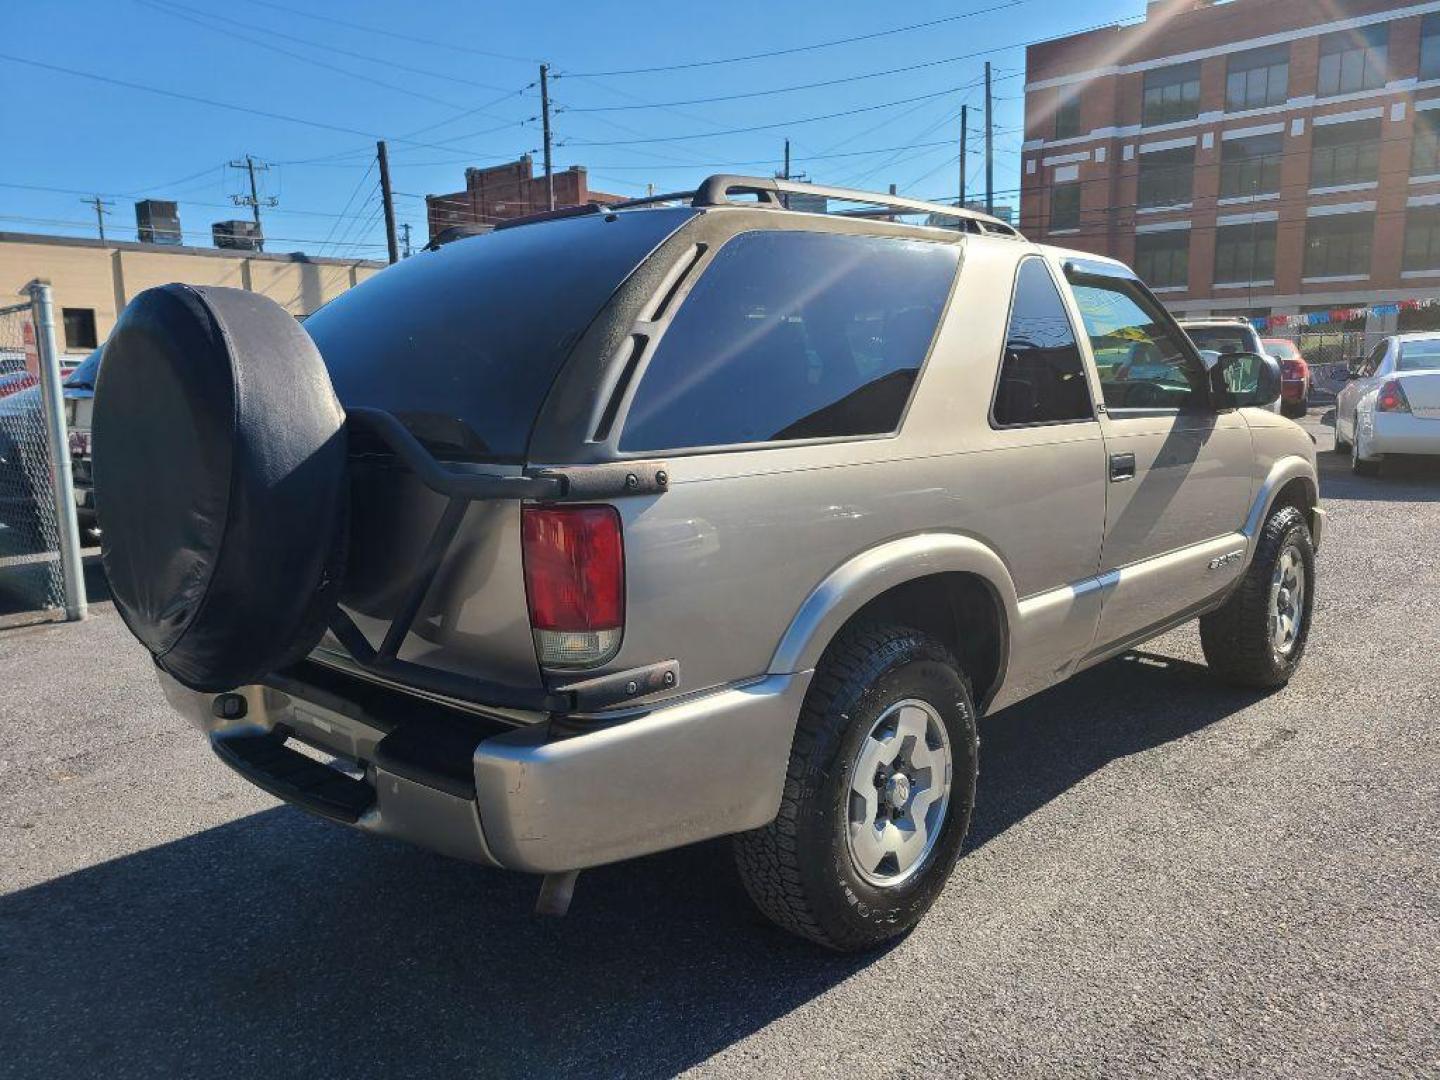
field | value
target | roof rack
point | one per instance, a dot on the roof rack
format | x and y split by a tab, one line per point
767	191
770	193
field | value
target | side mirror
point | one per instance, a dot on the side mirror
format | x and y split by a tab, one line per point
1241	379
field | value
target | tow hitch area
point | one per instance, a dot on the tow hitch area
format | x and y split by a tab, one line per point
556	892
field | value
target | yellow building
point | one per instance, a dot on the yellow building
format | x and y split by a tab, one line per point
93	280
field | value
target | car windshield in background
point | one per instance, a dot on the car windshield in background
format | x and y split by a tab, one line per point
1220	339
83	377
1285	350
794	335
1419	356
463	343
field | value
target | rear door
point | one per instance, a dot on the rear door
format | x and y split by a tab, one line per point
1178	471
1356	388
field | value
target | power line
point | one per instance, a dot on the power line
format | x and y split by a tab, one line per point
328	47
768	127
320	124
395	34
394	88
788	89
797	48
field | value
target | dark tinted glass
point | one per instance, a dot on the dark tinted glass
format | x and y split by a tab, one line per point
793	335
1042	378
463	343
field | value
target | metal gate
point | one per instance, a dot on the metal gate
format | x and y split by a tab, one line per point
39	563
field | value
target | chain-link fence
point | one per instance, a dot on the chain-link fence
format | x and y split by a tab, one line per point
31	577
1328	351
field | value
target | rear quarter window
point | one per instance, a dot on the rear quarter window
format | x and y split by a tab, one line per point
793	335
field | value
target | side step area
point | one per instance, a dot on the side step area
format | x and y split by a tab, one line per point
287	774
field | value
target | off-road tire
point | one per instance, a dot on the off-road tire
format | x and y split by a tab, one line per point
798	869
1236	637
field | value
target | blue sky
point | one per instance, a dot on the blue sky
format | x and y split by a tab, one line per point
450	84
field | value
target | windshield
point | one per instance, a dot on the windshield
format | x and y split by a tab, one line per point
1419	356
83	377
463	343
1222	339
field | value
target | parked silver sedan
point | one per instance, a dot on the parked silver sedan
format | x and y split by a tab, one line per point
1391	405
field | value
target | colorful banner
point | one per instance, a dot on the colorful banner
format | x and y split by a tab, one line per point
1341	315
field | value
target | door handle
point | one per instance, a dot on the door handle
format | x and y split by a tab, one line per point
1122	467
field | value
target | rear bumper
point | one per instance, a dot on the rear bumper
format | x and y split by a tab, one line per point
1403	433
515	797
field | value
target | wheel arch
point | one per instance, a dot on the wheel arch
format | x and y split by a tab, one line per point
1290	482
952	586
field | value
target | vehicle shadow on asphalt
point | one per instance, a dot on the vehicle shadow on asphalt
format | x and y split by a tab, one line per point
278	945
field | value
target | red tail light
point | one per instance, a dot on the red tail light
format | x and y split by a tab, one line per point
1392	398
1294	369
574	583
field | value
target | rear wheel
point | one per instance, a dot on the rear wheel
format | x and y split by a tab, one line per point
1258	637
1360	466
877	797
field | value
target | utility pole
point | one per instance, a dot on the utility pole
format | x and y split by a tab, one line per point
964	150
99	204
387	202
785	198
253	200
406	227
545	124
989	145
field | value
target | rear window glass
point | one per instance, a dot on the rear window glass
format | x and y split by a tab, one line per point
1222	339
794	335
463	343
1419	356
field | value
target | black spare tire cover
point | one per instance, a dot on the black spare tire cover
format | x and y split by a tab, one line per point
220	483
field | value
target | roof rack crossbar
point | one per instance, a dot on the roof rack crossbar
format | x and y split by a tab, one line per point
716	191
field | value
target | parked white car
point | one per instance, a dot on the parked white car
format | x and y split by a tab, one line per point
1391	405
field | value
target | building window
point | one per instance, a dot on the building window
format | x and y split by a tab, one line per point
1352	60
1162	259
1345	154
1067	116
1251	166
1065	206
79	328
1257	78
1172	94
1422	238
1167	177
1338	245
1430	47
1245	253
1425	145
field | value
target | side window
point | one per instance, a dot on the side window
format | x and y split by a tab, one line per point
1374	360
1042	378
793	335
1141	364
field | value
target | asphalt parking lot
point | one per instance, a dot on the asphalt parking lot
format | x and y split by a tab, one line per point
1164	877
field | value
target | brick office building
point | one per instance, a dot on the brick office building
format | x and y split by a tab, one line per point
1251	157
507	191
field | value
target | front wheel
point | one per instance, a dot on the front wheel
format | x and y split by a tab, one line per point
877	797
1257	638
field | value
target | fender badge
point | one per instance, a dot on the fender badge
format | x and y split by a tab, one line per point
1226	560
